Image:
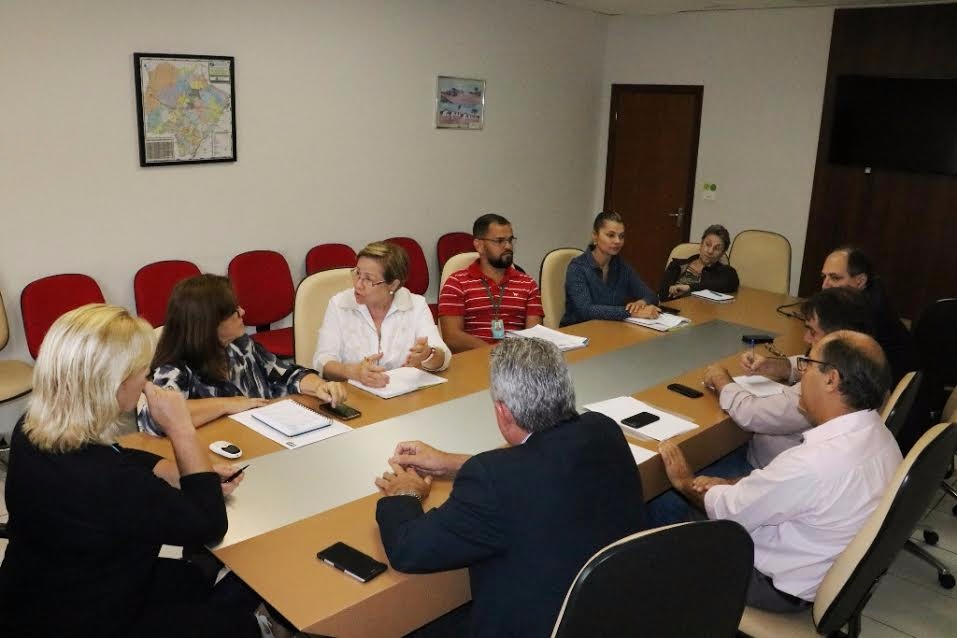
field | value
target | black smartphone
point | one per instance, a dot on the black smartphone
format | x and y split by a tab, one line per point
757	338
341	411
669	309
639	420
350	560
691	393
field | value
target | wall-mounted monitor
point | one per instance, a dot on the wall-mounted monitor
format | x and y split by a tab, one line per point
905	124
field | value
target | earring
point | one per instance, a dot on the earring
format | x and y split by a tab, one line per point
391	292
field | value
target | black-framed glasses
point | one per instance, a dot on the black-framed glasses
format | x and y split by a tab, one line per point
500	241
364	279
803	362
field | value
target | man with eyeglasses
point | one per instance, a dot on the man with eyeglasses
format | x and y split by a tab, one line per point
806	506
479	304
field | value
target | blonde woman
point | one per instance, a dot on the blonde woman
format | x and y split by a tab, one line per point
87	516
378	325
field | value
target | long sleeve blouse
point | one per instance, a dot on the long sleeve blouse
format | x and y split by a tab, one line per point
588	296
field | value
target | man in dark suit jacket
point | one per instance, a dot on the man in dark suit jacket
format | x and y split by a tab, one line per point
524	519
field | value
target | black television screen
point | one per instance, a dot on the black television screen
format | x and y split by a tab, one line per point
907	124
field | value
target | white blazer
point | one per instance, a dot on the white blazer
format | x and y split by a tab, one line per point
348	333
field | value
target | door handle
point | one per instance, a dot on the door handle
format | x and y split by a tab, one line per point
679	216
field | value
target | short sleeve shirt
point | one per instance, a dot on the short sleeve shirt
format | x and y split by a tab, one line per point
465	295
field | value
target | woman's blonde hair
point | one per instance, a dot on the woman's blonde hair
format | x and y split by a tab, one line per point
85	357
392	257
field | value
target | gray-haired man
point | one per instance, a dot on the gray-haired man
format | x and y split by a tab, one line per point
524	518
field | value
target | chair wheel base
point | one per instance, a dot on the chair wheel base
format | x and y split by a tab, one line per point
946	581
931	537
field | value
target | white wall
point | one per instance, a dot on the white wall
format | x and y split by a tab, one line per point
763	74
335	133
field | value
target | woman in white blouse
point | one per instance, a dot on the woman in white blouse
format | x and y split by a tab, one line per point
378	325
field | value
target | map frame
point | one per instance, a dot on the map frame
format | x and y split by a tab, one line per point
143	137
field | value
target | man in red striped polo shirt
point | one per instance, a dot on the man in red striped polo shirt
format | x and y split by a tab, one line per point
479	304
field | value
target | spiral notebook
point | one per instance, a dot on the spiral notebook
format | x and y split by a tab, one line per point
289	417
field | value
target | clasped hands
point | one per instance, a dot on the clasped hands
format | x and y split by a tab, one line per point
414	465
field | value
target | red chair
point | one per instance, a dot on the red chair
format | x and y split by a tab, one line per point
264	289
44	300
451	244
329	257
153	283
418	281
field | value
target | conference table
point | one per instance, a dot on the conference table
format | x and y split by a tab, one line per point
295	502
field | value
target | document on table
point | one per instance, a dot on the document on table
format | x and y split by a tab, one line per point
290	418
619	408
711	295
402	381
759	385
641	454
560	339
665	322
251	422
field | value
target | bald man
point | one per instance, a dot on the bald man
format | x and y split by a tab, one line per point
807	505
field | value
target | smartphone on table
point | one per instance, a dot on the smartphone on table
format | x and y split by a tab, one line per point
342	411
350	560
639	420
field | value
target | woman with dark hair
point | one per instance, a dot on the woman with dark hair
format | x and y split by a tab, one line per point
205	353
703	271
600	285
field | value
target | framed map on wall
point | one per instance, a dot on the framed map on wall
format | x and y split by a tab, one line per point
185	108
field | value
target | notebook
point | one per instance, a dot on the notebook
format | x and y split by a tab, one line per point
290	417
710	295
560	339
663	323
402	381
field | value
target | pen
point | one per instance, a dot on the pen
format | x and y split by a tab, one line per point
235	474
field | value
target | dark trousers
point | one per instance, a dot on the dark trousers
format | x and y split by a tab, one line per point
763	595
182	604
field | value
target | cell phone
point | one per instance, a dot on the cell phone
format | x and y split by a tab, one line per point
341	411
669	309
350	560
691	393
757	338
640	420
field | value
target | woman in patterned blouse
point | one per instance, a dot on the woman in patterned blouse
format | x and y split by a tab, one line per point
703	271
205	353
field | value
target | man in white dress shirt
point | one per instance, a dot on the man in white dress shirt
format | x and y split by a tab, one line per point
807	505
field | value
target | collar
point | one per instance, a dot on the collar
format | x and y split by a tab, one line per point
401	302
475	269
594	264
844	424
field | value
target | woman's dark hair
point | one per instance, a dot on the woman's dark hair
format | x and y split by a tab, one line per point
190	336
606	216
719	231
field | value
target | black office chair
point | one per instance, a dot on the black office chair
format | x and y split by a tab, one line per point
935	335
642	584
848	585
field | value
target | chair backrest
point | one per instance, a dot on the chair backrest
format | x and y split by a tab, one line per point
690	249
936	340
641	585
454	264
263	286
329	257
418	281
4	326
848	584
153	283
898	406
949	413
312	298
44	300
552	281
762	259
451	244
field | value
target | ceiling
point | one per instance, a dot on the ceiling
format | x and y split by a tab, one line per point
660	7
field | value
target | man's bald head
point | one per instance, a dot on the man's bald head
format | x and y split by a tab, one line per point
864	372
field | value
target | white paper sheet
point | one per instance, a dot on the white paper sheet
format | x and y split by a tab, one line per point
641	454
402	381
665	321
290	442
667	425
711	295
560	339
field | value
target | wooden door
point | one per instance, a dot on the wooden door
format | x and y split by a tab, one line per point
650	172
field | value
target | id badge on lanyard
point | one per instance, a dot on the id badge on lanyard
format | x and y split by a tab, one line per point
498	324
498	329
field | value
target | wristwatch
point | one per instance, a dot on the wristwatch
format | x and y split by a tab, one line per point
417	496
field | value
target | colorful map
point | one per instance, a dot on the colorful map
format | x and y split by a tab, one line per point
187	109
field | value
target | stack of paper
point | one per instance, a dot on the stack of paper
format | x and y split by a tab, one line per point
251	422
560	339
620	408
663	323
759	385
710	295
402	381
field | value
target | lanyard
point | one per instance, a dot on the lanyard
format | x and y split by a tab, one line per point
496	303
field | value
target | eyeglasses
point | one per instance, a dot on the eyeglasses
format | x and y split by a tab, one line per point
802	364
364	279
500	241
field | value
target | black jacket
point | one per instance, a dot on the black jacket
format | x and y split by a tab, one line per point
524	519
718	277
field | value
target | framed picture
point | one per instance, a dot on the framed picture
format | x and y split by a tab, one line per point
185	108
459	103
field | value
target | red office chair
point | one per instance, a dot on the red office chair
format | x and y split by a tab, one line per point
329	257
44	300
153	283
264	289
418	281
451	244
